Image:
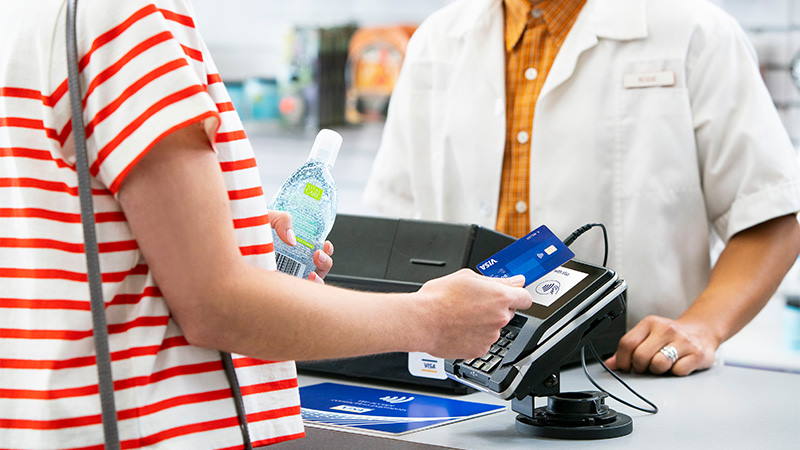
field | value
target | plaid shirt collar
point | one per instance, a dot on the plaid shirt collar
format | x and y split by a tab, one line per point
557	15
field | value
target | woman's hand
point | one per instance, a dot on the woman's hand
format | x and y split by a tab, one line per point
281	222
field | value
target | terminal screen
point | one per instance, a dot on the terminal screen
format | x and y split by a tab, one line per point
548	290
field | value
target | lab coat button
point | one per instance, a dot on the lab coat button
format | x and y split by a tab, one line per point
536	13
522	137
531	73
521	207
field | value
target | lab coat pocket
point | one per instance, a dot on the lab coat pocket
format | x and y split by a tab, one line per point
655	136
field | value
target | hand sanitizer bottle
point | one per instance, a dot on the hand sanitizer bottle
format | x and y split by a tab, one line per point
309	196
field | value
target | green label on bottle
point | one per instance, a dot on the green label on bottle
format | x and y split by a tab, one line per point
313	191
304	242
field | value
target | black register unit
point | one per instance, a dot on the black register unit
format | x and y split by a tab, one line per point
398	255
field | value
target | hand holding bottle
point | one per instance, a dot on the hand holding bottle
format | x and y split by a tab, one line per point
309	196
281	223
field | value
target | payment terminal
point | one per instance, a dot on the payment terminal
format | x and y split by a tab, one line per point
569	304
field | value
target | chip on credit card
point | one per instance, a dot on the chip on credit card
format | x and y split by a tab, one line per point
535	255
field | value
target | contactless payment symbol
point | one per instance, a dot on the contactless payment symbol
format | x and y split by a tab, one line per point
548	287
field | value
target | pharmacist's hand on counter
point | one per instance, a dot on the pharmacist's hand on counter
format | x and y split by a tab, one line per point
640	349
281	222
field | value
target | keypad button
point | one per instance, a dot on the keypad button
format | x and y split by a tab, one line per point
486	357
489	366
511	334
502	352
503	342
478	365
495	348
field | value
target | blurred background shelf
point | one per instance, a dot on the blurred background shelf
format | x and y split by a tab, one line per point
250	38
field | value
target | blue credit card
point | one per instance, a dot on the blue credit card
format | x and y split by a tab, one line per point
534	256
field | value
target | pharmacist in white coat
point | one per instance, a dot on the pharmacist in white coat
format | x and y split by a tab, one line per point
653	120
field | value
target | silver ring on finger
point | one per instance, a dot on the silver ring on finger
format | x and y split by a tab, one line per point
669	352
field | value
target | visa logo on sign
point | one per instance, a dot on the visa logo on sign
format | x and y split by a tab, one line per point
488	264
351	409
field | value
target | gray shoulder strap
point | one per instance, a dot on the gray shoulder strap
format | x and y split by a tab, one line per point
104	375
105	378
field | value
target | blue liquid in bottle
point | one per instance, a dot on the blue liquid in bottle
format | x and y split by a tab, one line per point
309	196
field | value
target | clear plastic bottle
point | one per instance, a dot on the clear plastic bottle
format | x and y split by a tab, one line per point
309	195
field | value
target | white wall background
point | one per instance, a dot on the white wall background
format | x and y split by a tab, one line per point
774	28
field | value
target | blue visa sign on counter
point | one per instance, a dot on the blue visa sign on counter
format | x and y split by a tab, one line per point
377	410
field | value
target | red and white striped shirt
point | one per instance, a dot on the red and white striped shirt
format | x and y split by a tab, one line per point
146	73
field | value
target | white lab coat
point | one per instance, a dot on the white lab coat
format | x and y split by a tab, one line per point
663	167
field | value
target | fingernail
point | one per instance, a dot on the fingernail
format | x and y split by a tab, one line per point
520	279
325	258
292	238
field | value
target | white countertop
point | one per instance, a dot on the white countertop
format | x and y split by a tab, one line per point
721	408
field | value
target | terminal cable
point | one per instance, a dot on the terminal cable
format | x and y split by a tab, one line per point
577	233
652	410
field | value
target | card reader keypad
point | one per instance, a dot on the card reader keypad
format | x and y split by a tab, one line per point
488	362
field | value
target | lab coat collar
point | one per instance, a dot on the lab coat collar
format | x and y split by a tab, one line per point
610	19
621	20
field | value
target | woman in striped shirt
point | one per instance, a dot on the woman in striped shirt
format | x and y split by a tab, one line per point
185	246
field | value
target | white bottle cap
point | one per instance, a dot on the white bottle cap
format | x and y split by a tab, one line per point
326	147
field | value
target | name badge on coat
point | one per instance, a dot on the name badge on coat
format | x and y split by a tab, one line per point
650	79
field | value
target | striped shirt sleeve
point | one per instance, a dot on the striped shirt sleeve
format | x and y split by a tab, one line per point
141	81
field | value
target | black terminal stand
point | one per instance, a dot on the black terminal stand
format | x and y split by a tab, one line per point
569	415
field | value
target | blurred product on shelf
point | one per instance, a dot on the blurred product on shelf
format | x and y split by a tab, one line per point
790	288
792	322
375	58
255	99
262	99
312	94
238	98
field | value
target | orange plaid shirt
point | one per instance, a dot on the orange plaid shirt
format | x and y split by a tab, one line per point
534	32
